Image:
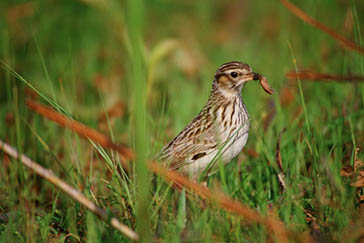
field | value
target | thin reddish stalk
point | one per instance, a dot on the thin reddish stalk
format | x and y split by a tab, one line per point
82	130
312	76
228	204
308	19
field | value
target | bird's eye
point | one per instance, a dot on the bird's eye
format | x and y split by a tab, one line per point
234	74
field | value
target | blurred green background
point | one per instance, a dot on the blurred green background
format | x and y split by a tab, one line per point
139	72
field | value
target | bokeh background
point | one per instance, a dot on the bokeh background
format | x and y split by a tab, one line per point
83	56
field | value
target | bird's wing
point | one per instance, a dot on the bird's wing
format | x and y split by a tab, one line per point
192	143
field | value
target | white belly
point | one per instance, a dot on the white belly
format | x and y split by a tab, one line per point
233	148
225	153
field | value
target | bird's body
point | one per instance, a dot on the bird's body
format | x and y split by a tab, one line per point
220	130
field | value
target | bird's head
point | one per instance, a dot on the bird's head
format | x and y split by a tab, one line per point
231	76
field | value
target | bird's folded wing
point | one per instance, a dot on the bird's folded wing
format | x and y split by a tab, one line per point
183	152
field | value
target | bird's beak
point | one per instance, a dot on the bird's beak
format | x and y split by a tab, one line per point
252	76
256	76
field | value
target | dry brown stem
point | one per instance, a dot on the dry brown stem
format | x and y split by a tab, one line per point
312	76
273	225
345	42
82	130
76	195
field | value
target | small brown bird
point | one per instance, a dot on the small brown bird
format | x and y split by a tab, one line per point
220	130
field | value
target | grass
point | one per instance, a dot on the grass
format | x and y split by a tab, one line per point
157	64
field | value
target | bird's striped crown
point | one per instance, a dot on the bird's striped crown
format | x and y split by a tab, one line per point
233	65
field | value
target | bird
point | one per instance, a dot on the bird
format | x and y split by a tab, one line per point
219	131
